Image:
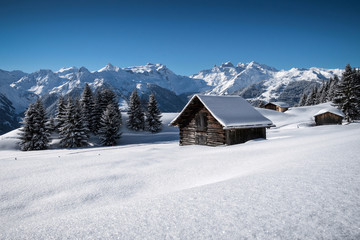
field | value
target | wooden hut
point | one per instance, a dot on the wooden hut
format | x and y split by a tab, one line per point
328	116
277	106
218	120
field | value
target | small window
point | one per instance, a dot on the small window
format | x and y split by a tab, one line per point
201	121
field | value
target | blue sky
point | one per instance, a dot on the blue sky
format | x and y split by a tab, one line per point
187	36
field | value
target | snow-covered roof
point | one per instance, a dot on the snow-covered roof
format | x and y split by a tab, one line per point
330	110
280	104
230	112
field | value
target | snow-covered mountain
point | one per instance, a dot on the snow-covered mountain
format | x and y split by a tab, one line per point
252	80
122	79
260	82
155	78
227	78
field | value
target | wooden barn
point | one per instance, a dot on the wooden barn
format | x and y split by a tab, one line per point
218	120
277	106
328	116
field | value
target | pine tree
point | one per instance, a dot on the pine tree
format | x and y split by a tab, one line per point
302	101
87	108
60	113
311	99
136	119
153	115
33	134
324	92
332	88
73	133
50	125
110	123
103	99
347	94
97	113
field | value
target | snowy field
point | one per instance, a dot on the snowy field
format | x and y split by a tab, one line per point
303	182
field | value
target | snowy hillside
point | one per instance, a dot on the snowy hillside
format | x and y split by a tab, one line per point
301	183
260	82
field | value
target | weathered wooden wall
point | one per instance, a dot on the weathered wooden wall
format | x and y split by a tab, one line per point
212	135
270	106
235	136
275	107
328	118
281	109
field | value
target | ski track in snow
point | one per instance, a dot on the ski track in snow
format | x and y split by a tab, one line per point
301	183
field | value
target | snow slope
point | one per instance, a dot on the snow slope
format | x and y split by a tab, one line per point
300	183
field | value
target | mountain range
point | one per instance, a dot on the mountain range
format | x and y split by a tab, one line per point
254	81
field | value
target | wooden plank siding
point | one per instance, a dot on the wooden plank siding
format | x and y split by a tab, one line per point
328	118
212	135
235	136
276	107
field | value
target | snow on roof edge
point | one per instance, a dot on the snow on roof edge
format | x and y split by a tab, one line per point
219	120
280	104
330	110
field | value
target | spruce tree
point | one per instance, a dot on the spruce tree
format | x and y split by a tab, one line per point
153	115
60	113
332	88
136	119
97	112
73	133
324	92
103	99
302	101
347	94
87	108
311	98
33	134
50	125
110	124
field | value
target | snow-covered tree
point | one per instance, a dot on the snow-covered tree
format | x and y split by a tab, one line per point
332	88
60	113
311	98
33	134
110	124
153	115
87	107
97	112
136	119
73	133
103	99
302	101
50	125
324	92
347	94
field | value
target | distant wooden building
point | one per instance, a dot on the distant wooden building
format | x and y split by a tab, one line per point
328	116
218	120
277	106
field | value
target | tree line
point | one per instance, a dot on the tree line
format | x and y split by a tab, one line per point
344	93
93	114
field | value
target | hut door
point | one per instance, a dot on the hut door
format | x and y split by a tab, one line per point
201	128
201	121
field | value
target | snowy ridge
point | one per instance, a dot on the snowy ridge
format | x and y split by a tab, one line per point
230	79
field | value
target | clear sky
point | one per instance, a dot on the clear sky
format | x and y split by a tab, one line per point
187	36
